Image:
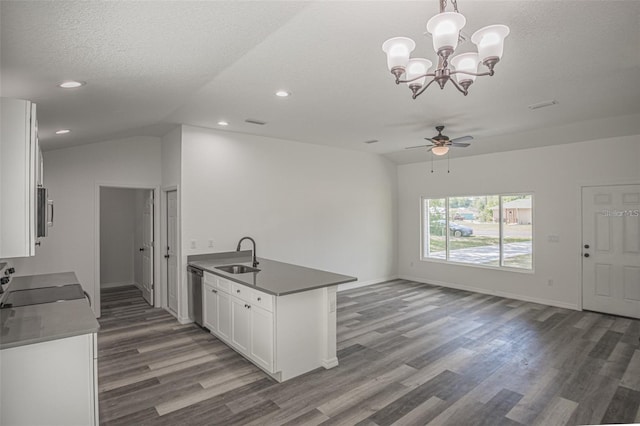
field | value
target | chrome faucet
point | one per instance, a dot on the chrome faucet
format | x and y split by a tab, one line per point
255	261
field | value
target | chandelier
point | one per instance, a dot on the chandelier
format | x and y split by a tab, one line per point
462	69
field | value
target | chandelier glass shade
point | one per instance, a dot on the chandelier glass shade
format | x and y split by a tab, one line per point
445	30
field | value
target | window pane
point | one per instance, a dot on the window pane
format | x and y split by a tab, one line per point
517	232
474	234
434	238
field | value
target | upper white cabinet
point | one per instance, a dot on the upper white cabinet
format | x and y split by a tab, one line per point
20	170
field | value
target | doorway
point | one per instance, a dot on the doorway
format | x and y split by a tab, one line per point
611	249
171	253
126	249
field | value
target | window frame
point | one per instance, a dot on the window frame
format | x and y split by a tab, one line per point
501	267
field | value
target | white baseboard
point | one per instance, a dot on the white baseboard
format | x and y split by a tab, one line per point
505	294
330	363
358	284
117	284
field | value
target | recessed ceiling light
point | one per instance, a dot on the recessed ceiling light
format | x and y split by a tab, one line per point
282	93
223	123
70	84
62	131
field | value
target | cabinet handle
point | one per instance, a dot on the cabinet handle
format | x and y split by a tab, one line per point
237	291
214	291
259	299
248	306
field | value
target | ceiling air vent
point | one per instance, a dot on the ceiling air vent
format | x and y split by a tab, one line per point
543	104
252	121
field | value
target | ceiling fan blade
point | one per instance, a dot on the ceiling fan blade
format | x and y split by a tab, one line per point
433	141
461	139
461	145
418	146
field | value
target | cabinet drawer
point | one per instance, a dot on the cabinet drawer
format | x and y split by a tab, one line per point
224	285
210	279
264	300
241	291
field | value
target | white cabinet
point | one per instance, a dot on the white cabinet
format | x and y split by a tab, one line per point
224	315
286	335
19	175
242	317
240	325
262	337
210	308
50	383
216	307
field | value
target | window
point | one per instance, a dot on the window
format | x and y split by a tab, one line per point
488	230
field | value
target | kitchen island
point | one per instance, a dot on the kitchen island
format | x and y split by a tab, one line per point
281	317
48	356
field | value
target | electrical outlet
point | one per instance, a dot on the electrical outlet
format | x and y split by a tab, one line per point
210	243
550	282
194	245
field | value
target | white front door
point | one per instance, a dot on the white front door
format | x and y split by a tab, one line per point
611	249
171	254
147	248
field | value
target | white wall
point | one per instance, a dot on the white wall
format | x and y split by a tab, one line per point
72	176
310	205
555	175
117	236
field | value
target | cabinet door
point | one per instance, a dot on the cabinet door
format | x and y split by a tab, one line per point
18	157
262	337
224	315
240	325
210	308
48	383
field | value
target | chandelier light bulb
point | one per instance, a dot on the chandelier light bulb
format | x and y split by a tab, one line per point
440	150
467	63
445	28
417	67
490	41
398	50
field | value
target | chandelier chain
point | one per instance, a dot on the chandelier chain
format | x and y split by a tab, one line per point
443	4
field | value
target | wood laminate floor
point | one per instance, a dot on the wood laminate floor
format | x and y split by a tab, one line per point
409	354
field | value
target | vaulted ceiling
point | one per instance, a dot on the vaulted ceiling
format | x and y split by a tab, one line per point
154	64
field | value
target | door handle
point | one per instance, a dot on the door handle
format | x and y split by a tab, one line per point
586	255
141	249
586	246
166	256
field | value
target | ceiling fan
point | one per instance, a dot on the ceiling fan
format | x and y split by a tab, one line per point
440	143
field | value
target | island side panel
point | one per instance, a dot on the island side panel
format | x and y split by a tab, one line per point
329	321
301	326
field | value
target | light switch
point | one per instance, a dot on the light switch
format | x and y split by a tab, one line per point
553	238
193	244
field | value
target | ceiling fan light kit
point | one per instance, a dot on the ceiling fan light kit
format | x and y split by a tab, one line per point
445	28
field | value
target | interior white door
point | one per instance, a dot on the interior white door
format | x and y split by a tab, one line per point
611	249
147	248
171	254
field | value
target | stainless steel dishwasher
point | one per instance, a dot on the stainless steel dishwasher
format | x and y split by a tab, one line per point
195	294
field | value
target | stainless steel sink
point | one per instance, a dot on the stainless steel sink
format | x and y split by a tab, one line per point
237	269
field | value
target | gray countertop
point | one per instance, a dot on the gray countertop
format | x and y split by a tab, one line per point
43	280
25	325
277	278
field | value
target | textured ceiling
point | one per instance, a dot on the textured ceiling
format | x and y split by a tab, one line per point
150	65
